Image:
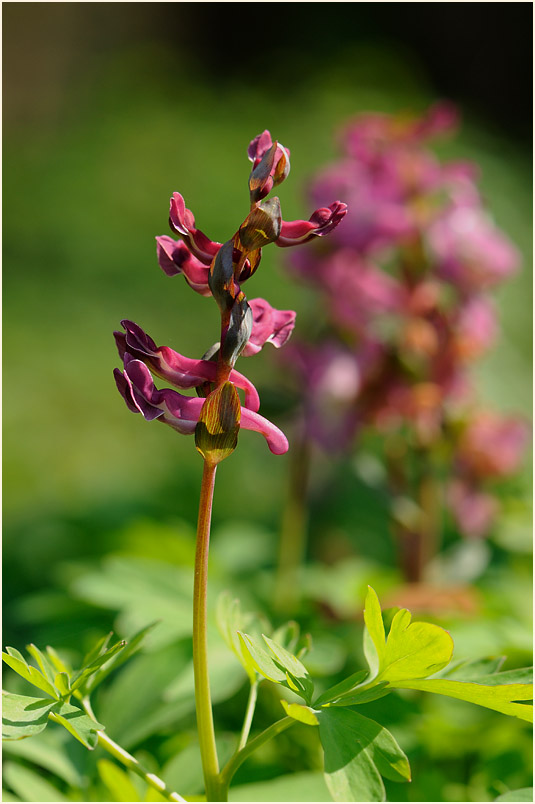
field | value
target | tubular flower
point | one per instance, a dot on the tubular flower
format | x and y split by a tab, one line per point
180	412
180	371
269	326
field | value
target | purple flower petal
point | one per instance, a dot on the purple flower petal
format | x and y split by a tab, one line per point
175	258
269	326
182	222
320	223
182	372
180	412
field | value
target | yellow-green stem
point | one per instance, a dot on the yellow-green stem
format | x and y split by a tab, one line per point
203	703
251	703
240	756
129	761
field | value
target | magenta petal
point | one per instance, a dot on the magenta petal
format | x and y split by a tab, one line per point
182	221
182	372
276	440
258	147
269	326
320	223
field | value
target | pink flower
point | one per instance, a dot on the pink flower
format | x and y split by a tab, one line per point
476	327
180	412
180	371
182	222
175	258
493	445
474	511
271	165
269	326
320	223
471	252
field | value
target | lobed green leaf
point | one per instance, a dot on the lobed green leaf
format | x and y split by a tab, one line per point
16	661
78	724
333	693
501	697
414	650
296	673
304	714
262	659
374	634
358	751
23	716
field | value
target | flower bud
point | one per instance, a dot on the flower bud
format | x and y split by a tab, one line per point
261	226
216	433
221	277
238	332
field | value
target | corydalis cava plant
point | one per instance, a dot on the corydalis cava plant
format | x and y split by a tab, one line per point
216	415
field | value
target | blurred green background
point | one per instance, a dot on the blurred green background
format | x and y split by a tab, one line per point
109	108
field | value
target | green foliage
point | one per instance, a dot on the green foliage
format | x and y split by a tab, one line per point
117	781
358	752
24	716
524	794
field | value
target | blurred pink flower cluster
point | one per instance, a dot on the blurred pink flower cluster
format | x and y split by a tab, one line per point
405	283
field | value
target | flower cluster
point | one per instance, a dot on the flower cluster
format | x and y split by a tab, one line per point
219	270
406	290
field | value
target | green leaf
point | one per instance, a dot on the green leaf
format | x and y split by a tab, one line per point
333	693
501	698
117	781
374	646
305	714
79	679
78	724
263	660
23	716
522	675
350	772
57	662
16	661
296	673
132	645
358	697
97	650
357	752
231	620
469	670
29	785
523	794
43	662
62	684
414	650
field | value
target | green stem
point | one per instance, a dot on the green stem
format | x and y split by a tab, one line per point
203	703
240	756
127	759
249	712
